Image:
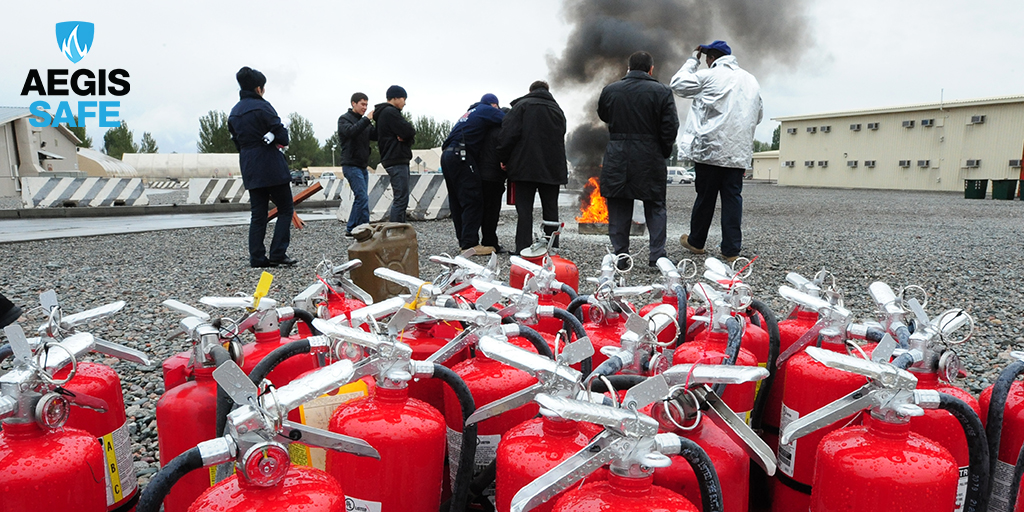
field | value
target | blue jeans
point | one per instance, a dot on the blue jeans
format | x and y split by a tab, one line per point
259	199
400	187
357	179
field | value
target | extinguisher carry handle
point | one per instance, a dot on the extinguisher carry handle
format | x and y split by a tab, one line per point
265	303
375	311
121	352
72	321
737	429
627	423
313	436
852	403
595	455
714	374
803	284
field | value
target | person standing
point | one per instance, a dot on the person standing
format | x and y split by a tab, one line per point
355	131
719	138
395	136
462	175
642	123
492	178
531	146
259	136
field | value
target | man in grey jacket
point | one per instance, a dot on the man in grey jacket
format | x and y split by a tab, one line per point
719	138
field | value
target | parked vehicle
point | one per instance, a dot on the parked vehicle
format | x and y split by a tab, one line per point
300	177
680	175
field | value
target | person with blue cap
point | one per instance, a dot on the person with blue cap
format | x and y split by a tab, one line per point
395	136
719	139
463	175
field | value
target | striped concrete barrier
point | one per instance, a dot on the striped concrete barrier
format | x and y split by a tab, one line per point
428	197
59	192
167	184
216	190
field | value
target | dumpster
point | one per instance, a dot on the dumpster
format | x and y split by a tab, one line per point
1004	189
975	189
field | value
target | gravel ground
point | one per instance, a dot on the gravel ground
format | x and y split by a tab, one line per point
965	253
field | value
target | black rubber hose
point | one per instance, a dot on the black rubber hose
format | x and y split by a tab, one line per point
307	318
619	382
286	328
976	499
566	289
537	340
153	495
903	336
276	357
704	470
609	367
774	345
1018	473
575	326
5	352
996	408
575	305
875	335
682	299
467	458
224	402
732	347
903	361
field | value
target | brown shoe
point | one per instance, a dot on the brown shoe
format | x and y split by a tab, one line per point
730	259
686	245
480	250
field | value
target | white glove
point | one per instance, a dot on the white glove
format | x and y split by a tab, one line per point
268	137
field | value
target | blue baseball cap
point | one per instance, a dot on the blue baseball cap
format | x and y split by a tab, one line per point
717	45
489	99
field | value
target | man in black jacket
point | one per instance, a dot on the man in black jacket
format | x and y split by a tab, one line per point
642	121
395	136
258	134
532	148
354	134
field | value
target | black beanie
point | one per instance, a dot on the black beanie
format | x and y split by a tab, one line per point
249	79
396	92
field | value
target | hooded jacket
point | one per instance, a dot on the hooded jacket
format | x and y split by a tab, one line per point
354	134
262	164
642	125
726	109
390	126
532	140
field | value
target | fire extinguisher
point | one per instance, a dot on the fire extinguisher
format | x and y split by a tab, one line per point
1002	405
543	253
187	414
634	449
256	441
458	272
755	338
638	351
43	464
674	293
408	433
333	294
883	463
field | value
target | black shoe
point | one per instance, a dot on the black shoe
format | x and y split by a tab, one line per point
262	264
286	262
349	234
9	313
499	249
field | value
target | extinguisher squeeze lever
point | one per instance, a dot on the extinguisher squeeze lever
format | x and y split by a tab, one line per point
832	318
340	273
459	271
60	325
892	315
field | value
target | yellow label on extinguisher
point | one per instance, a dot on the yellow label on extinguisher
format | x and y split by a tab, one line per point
117	453
317	413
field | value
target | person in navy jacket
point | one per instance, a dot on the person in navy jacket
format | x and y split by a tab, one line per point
258	134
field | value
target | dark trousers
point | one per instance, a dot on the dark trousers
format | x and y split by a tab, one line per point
710	182
525	191
399	175
492	193
259	199
465	198
620	219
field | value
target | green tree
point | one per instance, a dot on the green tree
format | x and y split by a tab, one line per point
429	132
761	146
776	137
330	153
214	136
148	144
118	141
79	131
673	159
303	147
374	155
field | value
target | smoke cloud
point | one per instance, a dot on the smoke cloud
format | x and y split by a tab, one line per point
765	35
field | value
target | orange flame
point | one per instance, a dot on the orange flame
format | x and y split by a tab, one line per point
593	207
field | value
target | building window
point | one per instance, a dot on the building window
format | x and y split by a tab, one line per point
822	163
977	120
1015	163
908	124
927	123
924	163
973	164
869	163
808	163
791	131
872	126
851	163
826	129
904	163
789	163
812	129
855	127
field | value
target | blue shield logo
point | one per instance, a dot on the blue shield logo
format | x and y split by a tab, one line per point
74	38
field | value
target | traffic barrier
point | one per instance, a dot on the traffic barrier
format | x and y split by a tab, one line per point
428	197
60	192
216	190
167	184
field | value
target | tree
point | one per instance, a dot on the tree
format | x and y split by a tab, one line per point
776	137
118	141
148	144
374	155
429	133
303	147
330	153
761	146
214	136
79	131
673	159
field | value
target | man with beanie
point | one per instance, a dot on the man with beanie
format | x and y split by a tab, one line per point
354	134
462	174
719	138
259	136
492	177
642	122
532	148
395	136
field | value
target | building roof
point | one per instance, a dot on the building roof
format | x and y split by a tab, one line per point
998	100
767	154
8	114
112	166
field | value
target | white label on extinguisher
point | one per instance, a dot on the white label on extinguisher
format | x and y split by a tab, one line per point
1001	479
358	505
486	451
119	468
961	489
787	452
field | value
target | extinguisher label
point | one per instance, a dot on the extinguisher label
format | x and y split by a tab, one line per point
119	468
961	489
1001	480
358	505
317	413
486	451
787	452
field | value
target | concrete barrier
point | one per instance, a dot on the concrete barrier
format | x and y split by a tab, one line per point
216	190
428	197
60	192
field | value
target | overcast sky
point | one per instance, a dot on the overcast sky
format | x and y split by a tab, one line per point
182	56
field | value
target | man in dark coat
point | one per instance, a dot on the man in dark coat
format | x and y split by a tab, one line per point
532	148
354	134
258	134
395	137
460	165
642	122
492	181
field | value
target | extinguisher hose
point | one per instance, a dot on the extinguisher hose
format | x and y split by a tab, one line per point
996	407
467	456
224	402
903	361
1018	473
575	305
286	328
307	318
732	347
537	340
620	382
704	470
978	483
5	352
774	345
576	326
153	495
682	299
903	336
875	335
566	289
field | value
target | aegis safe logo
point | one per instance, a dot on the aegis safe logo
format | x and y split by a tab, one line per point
75	41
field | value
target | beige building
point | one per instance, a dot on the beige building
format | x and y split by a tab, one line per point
766	165
933	146
28	151
159	166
